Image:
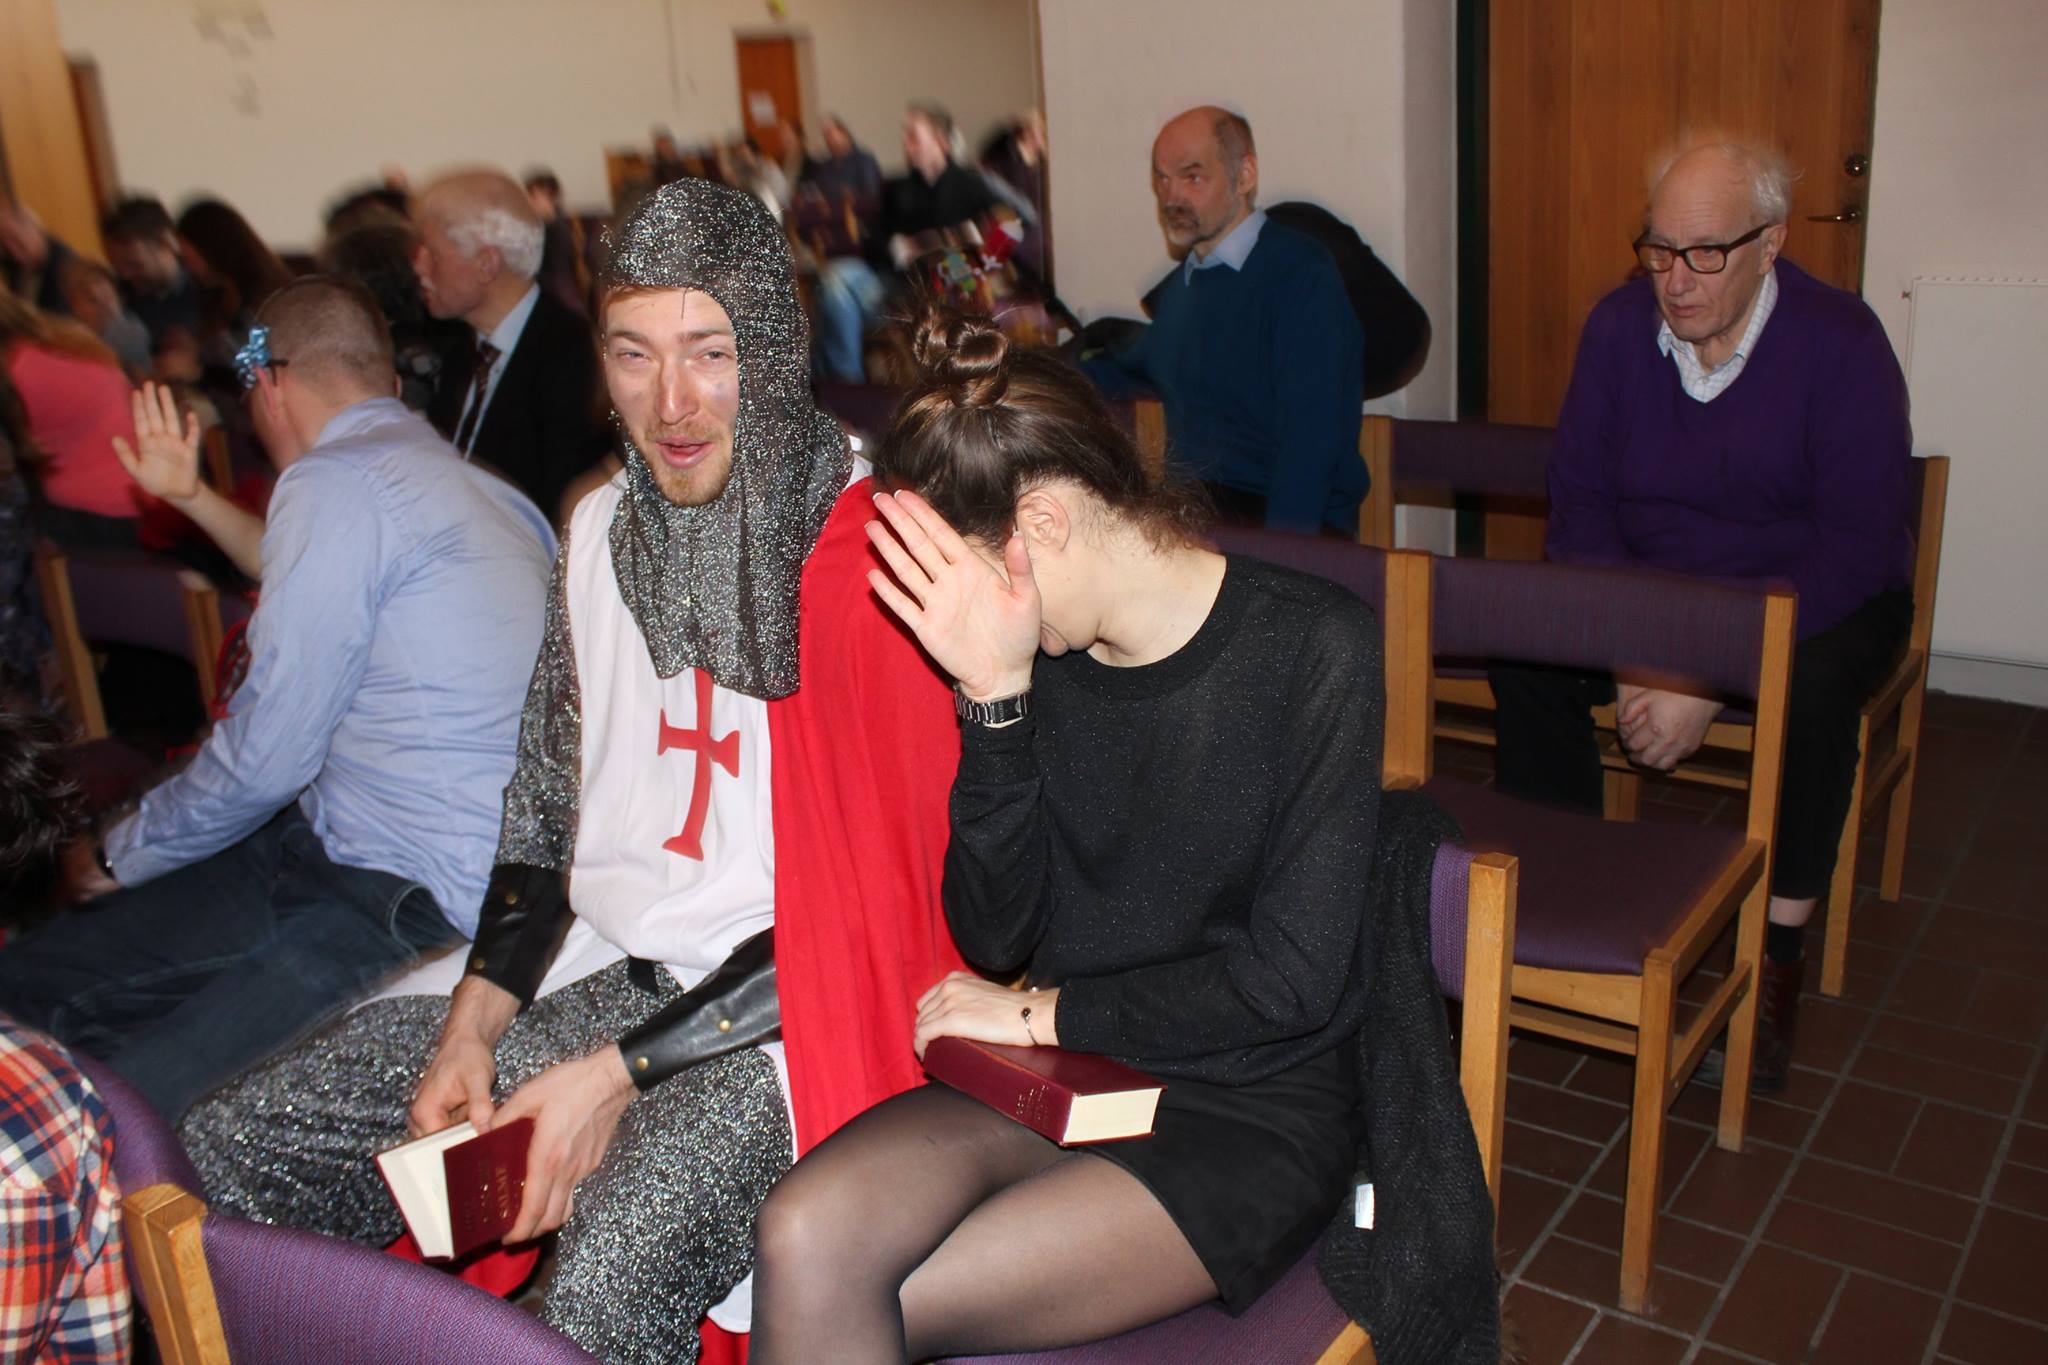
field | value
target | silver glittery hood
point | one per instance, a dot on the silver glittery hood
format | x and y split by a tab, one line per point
715	587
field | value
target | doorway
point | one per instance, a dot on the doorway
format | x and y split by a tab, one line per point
1580	95
1569	102
770	92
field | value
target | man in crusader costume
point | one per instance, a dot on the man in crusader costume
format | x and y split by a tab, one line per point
724	733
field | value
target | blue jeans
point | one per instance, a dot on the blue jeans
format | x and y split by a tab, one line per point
849	293
183	983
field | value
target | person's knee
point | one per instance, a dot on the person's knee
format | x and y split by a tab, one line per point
797	1230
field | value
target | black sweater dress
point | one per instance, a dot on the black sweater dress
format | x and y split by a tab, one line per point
1183	848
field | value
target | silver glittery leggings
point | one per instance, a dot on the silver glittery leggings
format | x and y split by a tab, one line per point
660	1232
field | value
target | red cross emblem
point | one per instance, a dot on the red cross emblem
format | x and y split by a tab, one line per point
723	751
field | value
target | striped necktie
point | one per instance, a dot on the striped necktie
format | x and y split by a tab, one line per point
479	380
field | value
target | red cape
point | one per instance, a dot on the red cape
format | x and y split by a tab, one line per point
864	754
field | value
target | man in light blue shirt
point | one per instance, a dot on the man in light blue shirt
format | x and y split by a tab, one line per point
342	819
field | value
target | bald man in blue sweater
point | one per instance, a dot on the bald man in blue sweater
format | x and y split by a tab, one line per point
1253	348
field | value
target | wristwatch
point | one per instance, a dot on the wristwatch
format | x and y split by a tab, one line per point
996	714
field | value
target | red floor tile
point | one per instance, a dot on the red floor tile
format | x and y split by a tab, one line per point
1879	1164
1882	1199
1677	1302
1938	1080
1620	1341
1952	1046
1775	1306
1976	1337
1866	1126
1545	1326
1829	1234
2004	1271
1729	1190
1951	1148
1874	1322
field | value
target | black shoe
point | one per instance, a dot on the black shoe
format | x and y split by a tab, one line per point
1777	1019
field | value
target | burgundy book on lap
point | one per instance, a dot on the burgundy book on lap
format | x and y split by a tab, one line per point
458	1190
1071	1097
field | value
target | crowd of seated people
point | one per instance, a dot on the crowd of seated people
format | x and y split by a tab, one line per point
592	656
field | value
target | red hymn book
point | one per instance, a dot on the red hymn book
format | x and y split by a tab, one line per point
1071	1097
457	1190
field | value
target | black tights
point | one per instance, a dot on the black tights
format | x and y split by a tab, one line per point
933	1226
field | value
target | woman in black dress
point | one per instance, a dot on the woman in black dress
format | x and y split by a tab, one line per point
1163	818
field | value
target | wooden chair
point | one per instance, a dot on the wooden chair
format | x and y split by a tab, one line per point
1428	462
125	597
1611	916
1375	515
1887	742
217	459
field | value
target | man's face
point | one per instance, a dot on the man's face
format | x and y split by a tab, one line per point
672	366
922	144
1697	205
148	265
452	281
837	140
1199	199
21	240
91	298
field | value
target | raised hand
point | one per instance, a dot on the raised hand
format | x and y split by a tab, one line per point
165	458
980	624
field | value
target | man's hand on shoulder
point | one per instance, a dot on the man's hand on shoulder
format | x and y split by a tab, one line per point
575	1108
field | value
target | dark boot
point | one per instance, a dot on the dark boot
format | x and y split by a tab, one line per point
1777	1020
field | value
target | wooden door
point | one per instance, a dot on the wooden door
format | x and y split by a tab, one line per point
769	91
43	160
1583	95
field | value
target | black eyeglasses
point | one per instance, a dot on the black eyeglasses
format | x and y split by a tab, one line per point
1707	258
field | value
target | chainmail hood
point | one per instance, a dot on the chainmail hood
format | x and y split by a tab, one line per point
715	587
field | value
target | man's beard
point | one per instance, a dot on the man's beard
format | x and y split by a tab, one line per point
702	483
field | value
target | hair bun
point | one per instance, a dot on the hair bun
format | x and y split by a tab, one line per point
964	357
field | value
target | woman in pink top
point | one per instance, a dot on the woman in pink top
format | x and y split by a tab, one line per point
77	401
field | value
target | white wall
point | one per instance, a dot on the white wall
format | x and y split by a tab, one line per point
1959	186
275	105
1958	177
1352	105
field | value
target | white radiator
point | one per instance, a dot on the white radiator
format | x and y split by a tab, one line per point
1977	367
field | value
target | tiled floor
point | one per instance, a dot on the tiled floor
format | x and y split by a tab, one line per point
1892	1204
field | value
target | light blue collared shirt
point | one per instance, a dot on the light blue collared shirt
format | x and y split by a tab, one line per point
403	592
1232	251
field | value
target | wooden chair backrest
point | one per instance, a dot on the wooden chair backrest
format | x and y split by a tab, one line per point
1375	448
162	1224
1931	474
74	656
199	599
1489	972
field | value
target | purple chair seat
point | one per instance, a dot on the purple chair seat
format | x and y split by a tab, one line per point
1294	1321
1594	895
294	1298
146	1149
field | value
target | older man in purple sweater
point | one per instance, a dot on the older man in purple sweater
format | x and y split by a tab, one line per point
1733	417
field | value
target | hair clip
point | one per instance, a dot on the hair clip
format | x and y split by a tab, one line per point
254	356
